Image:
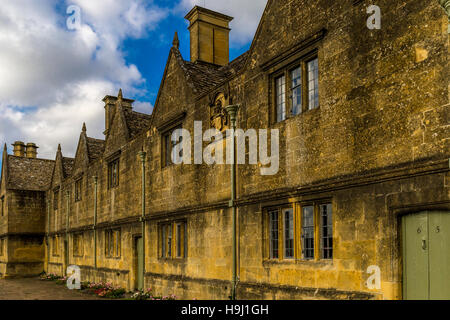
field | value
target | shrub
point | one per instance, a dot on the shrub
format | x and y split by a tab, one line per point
142	295
48	277
61	281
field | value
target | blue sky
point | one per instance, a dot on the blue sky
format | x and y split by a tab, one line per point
53	79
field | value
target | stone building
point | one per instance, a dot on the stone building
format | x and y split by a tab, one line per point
362	192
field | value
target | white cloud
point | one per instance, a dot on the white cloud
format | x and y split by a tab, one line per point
52	79
246	13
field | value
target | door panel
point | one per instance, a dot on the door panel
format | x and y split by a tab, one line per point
139	267
415	256
439	258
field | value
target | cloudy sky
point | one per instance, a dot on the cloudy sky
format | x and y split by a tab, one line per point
53	78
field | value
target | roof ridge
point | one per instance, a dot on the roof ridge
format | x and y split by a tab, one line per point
33	159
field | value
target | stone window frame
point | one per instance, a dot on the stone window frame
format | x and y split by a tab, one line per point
297	208
113	243
78	244
286	72
178	240
78	189
166	137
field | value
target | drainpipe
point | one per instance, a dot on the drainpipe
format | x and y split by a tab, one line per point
142	155
95	221
232	111
48	233
67	228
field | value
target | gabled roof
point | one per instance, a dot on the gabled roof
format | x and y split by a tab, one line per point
29	174
206	76
67	164
136	121
95	148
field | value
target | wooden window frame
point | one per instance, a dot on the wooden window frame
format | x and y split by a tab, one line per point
286	71
113	179
176	248
297	211
113	243
78	189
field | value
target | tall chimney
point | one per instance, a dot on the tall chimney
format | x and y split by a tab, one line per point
19	149
209	36
31	150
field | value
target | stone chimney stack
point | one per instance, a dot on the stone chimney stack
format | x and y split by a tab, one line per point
209	36
31	150
19	149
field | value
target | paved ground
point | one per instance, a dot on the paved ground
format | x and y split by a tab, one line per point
35	289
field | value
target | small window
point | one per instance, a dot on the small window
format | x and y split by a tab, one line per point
314	221
280	84
112	243
296	91
78	185
308	232
313	84
296	88
288	217
56	200
168	147
113	174
78	245
273	234
173	240
326	225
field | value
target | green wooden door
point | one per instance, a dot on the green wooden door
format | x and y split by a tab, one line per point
439	255
426	256
139	264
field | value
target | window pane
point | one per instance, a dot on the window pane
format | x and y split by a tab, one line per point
326	231
178	239
313	84
280	84
308	232
185	240
273	233
169	241
288	233
163	242
296	76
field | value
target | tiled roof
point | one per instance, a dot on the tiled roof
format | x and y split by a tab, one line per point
205	76
29	174
95	147
67	164
136	122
